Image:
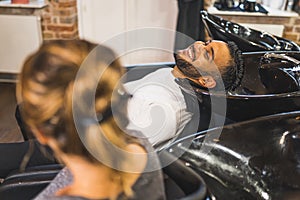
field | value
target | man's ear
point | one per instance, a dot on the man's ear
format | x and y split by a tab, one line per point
207	81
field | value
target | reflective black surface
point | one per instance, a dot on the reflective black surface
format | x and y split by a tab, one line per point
270	85
258	159
246	38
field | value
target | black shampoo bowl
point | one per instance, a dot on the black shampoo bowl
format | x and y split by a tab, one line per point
269	86
246	38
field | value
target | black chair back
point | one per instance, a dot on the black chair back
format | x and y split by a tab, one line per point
186	179
181	182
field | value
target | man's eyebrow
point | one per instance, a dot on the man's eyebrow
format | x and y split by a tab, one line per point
212	54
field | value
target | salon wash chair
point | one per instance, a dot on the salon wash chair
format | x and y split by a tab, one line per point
180	181
256	91
270	85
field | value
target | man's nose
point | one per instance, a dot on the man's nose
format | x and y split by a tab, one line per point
199	46
200	43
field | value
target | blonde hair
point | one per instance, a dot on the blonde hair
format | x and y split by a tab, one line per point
46	86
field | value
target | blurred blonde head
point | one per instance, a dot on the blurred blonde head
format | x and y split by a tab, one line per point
46	89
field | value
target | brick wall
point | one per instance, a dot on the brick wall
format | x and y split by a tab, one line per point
292	30
291	25
59	20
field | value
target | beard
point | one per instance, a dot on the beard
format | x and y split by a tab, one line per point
187	68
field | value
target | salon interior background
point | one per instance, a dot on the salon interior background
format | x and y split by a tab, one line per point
99	20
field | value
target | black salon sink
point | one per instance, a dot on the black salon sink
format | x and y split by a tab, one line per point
257	159
247	39
270	85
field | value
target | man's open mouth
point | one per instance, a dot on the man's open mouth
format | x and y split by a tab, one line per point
191	52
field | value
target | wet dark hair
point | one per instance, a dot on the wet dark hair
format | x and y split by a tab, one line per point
231	74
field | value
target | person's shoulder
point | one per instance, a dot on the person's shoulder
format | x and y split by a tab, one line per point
153	74
164	70
67	198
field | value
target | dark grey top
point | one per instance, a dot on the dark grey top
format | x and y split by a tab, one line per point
148	186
